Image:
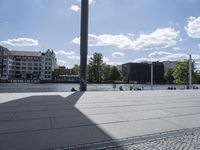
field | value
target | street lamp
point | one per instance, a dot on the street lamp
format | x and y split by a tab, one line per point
84	44
151	75
190	71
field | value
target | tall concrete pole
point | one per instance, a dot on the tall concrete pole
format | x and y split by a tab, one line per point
84	44
151	75
190	71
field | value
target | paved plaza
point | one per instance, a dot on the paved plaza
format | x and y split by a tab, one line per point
115	120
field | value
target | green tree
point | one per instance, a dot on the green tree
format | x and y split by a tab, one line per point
76	69
95	65
106	72
196	78
181	73
169	76
115	74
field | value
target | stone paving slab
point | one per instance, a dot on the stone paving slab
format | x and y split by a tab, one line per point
189	121
49	139
137	128
6	116
24	125
184	111
64	119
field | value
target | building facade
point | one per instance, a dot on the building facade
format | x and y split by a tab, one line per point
24	65
141	72
63	74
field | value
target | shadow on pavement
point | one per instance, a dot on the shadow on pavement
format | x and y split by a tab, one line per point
48	122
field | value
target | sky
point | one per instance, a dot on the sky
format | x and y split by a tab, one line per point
122	30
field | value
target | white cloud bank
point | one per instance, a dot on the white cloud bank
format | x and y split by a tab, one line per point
109	62
20	42
193	27
63	55
67	58
160	38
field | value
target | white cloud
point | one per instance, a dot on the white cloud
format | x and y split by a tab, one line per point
75	8
20	42
158	54
160	38
67	58
131	34
198	46
109	62
105	40
62	63
106	59
92	1
175	49
193	27
62	52
74	57
117	54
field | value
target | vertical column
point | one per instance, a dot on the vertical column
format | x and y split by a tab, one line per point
190	71
151	75
84	45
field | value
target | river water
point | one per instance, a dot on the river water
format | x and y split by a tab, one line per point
64	87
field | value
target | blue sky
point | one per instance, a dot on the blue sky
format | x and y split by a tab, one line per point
122	30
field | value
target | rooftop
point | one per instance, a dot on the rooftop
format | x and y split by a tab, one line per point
94	119
25	53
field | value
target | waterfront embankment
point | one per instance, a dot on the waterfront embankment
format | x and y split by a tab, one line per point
66	87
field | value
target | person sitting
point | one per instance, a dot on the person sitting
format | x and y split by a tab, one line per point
121	88
73	90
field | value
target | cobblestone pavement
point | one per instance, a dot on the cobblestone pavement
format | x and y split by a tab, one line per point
186	139
183	142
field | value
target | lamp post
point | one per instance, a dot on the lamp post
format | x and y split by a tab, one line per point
151	75
84	44
190	71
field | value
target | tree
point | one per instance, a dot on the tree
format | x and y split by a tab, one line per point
95	68
169	76
106	72
115	74
181	72
196	77
76	69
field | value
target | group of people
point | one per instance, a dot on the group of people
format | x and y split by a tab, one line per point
171	88
131	88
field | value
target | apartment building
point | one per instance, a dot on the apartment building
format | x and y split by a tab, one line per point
25	65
